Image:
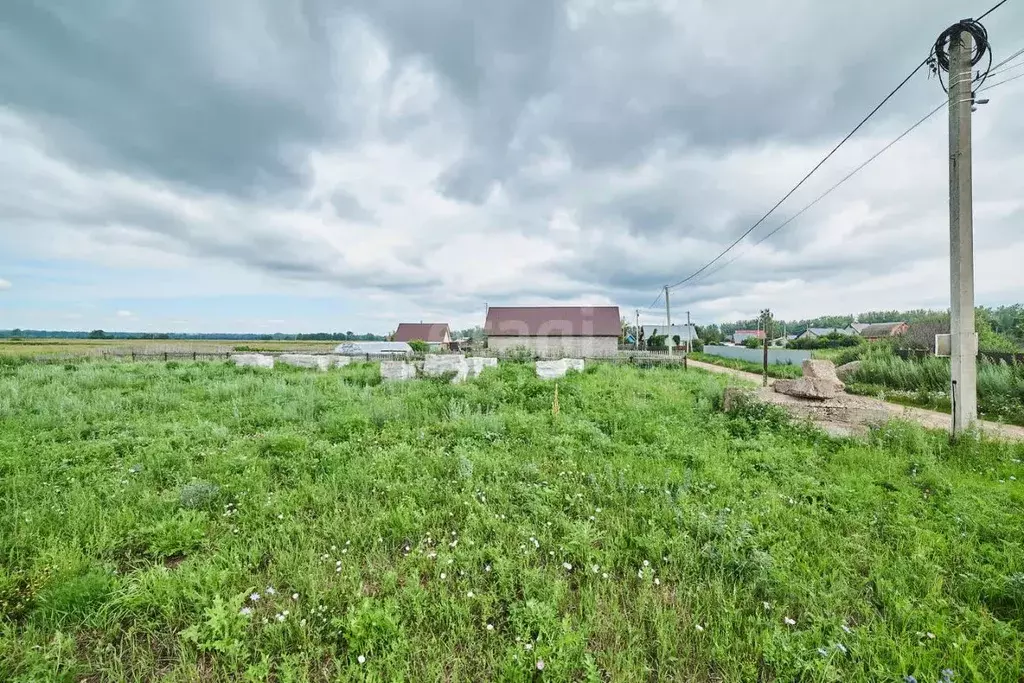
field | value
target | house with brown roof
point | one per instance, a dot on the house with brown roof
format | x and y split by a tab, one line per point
554	331
883	330
438	335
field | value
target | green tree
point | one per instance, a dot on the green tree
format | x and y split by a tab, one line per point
97	334
419	346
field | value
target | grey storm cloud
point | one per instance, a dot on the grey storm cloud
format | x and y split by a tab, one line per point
458	150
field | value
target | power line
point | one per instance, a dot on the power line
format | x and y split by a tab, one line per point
804	179
1005	80
826	158
1016	54
998	5
852	173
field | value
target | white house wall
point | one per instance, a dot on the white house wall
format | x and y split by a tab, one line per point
557	347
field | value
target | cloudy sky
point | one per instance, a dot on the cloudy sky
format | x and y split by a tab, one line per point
301	165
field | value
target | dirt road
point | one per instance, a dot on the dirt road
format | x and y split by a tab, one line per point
926	418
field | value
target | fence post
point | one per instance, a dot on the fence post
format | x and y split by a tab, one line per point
165	356
133	354
193	355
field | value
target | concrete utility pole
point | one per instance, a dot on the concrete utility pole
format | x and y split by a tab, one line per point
689	334
636	332
766	319
668	321
963	340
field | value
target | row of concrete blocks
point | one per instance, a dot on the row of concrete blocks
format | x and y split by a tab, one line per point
391	370
299	360
468	368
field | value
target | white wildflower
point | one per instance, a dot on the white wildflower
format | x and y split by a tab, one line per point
657	582
847	629
245	611
295	596
529	646
255	597
604	575
270	591
490	627
540	665
443	576
699	628
790	622
361	659
567	566
280	617
469	594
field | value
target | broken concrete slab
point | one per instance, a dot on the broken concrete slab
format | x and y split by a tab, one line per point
307	360
478	365
809	388
819	382
840	415
397	371
820	369
252	360
437	365
845	372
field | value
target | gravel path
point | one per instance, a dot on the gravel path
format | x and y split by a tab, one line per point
926	418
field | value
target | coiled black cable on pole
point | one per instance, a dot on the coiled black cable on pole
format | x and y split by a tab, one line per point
939	58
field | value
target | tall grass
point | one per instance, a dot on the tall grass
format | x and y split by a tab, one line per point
1000	385
201	522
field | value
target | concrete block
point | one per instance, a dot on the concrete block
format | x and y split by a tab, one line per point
303	360
397	371
555	369
809	388
252	360
436	365
820	369
478	365
845	372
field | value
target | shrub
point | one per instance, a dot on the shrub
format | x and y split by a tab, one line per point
828	341
419	346
753	342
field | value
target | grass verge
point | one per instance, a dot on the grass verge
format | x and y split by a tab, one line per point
198	521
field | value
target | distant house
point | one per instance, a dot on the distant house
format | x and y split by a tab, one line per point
554	331
858	327
739	336
682	330
883	330
438	335
815	332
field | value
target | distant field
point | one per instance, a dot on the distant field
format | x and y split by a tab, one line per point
100	347
202	522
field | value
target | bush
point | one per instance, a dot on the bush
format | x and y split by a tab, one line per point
753	343
828	341
419	346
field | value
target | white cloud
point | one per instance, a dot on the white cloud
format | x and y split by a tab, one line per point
444	170
4	284
125	314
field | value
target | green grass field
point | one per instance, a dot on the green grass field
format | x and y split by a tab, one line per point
776	370
200	522
73	348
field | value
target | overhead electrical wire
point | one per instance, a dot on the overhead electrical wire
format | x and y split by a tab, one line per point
937	59
992	10
852	173
802	180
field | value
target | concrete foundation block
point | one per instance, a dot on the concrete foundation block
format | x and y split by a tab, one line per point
252	360
397	371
